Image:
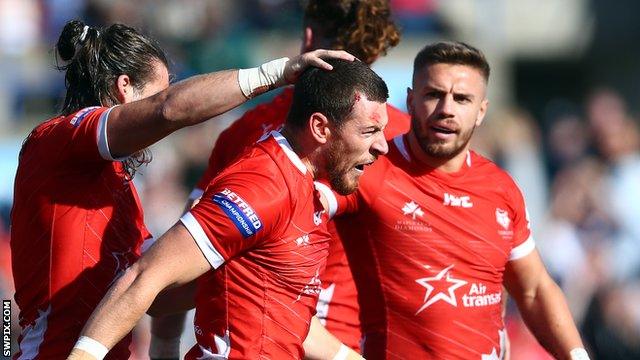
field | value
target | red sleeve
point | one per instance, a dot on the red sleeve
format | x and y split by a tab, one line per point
84	132
237	212
523	242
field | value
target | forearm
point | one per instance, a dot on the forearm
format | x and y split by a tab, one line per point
120	309
320	344
202	97
548	317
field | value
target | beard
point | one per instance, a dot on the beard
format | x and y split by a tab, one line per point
338	171
438	148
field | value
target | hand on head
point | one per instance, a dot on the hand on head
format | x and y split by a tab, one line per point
298	64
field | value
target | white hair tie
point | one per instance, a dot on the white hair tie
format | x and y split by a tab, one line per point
85	31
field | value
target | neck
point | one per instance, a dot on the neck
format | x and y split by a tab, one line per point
304	152
447	165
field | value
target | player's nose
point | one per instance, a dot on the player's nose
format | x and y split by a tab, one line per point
446	106
380	146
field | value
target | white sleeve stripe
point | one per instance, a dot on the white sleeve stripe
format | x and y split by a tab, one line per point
103	142
331	198
207	248
196	194
523	249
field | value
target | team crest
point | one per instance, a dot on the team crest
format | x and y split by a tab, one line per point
502	217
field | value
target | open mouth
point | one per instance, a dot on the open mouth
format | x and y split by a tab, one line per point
360	167
443	130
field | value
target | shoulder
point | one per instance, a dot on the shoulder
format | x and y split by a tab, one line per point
500	179
488	168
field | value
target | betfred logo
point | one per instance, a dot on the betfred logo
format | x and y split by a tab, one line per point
241	214
457	201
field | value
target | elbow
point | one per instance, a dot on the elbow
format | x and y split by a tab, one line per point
172	114
176	113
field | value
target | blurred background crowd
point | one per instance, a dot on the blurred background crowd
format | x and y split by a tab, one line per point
564	96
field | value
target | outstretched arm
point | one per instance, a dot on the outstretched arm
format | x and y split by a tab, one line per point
174	260
136	125
543	307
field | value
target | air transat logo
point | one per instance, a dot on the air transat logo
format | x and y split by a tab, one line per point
413	209
443	286
440	287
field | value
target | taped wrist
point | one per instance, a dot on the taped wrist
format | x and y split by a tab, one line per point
579	354
91	347
258	80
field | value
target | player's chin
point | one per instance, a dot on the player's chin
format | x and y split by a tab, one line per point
347	183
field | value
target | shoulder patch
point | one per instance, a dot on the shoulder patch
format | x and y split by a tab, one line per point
80	115
241	213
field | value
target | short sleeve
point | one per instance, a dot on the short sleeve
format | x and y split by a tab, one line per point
86	135
523	242
238	212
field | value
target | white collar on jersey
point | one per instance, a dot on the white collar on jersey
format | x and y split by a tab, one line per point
398	141
286	147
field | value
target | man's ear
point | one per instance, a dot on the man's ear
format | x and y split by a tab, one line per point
124	89
484	106
307	40
319	126
410	101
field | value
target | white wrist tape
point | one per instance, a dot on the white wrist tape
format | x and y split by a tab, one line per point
342	353
260	79
164	348
579	354
92	347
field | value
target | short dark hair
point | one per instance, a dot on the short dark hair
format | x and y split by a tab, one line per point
457	53
365	29
332	93
94	61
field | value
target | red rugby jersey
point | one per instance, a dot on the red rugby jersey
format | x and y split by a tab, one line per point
428	251
76	223
337	307
260	225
